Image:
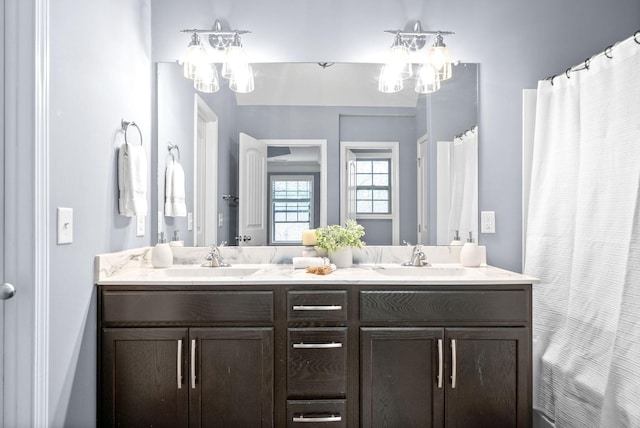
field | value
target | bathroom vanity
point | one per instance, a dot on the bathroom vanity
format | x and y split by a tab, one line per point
267	345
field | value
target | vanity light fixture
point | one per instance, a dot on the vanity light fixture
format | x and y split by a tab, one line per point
199	64
431	69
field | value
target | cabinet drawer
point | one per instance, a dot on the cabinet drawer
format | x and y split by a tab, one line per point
317	362
445	306
186	306
322	305
317	413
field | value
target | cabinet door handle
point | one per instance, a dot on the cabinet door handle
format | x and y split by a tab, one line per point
317	345
454	364
313	419
193	364
317	308
440	363
180	364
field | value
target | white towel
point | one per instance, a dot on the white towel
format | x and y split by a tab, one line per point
174	203
132	180
305	262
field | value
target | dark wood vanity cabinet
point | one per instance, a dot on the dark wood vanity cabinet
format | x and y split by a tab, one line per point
216	370
315	356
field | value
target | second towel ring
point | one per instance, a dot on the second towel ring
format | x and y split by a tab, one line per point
125	127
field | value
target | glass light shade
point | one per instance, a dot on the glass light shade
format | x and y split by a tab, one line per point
427	80
242	80
234	58
400	60
194	57
439	57
389	81
206	78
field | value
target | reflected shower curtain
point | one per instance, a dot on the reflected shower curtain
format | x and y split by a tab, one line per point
463	211
583	242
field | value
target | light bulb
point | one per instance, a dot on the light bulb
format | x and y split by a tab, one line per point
234	58
242	80
427	80
389	81
399	59
439	57
206	78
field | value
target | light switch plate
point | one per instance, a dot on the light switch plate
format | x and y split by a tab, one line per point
487	222
140	223
65	226
189	222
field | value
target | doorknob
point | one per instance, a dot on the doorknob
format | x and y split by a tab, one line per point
7	291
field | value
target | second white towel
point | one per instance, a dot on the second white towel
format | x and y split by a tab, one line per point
175	202
305	262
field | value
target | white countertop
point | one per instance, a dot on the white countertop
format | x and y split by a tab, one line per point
274	274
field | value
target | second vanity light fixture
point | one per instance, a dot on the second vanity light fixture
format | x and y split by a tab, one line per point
431	69
200	62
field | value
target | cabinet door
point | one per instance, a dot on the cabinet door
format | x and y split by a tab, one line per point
231	377
142	378
488	380
399	377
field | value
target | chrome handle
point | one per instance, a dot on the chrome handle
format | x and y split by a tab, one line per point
7	291
454	368
317	345
317	308
193	364
439	363
313	419
179	364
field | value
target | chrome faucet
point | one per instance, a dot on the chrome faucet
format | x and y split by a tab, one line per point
418	258
214	259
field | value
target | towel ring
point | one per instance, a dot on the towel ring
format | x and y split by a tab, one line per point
175	147
125	127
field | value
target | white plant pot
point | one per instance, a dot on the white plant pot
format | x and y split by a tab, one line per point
342	258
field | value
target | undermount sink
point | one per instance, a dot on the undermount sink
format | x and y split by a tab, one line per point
216	272
429	271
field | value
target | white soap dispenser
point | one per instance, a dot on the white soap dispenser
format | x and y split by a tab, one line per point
161	254
176	241
456	239
470	254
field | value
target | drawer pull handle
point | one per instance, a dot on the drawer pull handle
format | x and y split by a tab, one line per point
313	419
440	363
179	374
317	345
317	308
454	363
193	364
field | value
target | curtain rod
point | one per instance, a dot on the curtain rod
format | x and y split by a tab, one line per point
584	65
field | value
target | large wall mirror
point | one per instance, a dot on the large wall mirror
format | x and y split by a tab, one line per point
318	107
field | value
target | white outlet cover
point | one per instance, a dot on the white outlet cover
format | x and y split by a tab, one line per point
487	222
140	225
65	226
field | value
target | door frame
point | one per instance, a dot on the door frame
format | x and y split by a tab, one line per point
26	211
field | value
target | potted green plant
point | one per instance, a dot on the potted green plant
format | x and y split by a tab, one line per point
339	241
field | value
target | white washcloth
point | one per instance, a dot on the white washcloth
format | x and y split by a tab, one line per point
132	180
174	191
305	262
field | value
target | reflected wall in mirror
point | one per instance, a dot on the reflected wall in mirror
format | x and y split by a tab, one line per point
305	101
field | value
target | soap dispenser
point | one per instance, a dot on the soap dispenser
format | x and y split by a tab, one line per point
470	254
176	241
161	254
456	239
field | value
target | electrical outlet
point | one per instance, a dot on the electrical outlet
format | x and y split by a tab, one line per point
487	222
140	225
65	226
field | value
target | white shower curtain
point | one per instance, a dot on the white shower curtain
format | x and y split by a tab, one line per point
583	242
463	212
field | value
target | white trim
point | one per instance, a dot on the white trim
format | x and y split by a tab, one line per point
323	167
422	163
41	217
394	146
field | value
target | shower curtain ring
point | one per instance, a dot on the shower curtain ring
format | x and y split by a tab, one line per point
635	37
607	52
587	63
567	72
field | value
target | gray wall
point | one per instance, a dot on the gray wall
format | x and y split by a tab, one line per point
101	71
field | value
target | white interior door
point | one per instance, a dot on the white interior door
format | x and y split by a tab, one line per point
252	204
423	190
